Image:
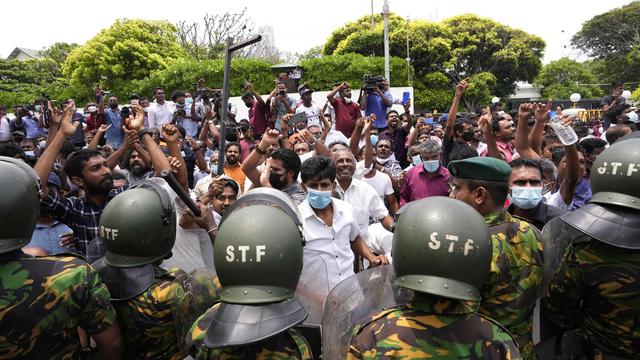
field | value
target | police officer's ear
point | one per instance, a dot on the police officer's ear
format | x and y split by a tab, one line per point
480	195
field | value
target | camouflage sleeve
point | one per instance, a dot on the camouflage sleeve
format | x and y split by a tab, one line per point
562	301
97	314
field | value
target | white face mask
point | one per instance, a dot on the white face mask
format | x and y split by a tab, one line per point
382	161
633	116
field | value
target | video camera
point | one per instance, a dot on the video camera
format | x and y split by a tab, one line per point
372	82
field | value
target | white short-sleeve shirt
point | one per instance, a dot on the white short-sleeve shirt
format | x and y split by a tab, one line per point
365	202
331	243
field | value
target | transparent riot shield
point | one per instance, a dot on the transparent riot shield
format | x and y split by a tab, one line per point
95	249
312	290
353	301
198	290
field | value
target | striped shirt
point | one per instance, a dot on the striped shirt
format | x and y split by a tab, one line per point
82	216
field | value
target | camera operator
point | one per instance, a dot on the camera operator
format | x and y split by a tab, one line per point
281	103
183	115
376	100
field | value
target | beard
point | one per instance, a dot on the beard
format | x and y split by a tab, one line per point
102	188
139	170
232	160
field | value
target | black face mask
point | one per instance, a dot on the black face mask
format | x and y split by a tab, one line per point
468	135
276	181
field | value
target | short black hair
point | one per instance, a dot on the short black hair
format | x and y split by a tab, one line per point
459	124
233	143
316	168
548	139
462	152
498	190
495	123
176	94
156	90
590	144
75	162
387	138
392	111
615	132
581	129
526	162
232	184
11	150
290	160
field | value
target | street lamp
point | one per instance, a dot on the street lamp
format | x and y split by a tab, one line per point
575	97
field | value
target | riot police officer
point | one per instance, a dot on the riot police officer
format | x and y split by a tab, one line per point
138	230
258	259
597	288
43	300
445	264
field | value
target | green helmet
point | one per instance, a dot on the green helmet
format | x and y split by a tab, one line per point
138	226
434	253
615	175
20	206
258	255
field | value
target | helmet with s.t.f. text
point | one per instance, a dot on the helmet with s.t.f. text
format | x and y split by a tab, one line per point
435	253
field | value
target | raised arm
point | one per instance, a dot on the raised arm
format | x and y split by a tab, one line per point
171	136
130	139
542	115
354	141
368	146
525	112
98	136
136	122
250	164
451	119
492	146
572	173
47	159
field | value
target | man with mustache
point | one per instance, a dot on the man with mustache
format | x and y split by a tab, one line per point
88	170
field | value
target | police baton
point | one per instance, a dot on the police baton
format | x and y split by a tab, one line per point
167	175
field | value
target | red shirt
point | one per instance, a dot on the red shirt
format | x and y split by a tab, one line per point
94	121
346	115
259	118
417	185
245	147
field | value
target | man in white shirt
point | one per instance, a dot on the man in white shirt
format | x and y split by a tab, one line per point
313	111
160	111
5	129
330	226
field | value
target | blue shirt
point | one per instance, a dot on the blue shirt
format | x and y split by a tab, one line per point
114	135
31	127
47	237
375	105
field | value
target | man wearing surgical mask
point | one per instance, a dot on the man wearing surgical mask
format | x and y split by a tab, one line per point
526	187
347	112
427	179
94	118
330	226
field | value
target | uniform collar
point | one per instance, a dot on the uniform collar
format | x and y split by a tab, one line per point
497	217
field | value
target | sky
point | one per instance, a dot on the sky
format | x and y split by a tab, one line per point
298	25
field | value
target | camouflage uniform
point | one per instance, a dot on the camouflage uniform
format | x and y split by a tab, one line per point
510	293
43	301
152	322
432	328
286	345
597	290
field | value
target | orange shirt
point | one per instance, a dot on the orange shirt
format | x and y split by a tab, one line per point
235	172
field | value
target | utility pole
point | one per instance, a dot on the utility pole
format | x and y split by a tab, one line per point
385	12
408	58
373	25
230	47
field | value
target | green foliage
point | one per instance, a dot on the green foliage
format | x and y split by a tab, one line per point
129	50
433	92
183	74
563	77
613	38
635	95
459	47
322	73
21	82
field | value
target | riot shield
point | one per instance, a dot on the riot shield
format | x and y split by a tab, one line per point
353	301
556	238
95	250
312	290
198	291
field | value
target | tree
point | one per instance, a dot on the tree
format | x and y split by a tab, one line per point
206	40
363	24
459	47
56	55
563	77
322	73
128	50
21	82
184	73
613	37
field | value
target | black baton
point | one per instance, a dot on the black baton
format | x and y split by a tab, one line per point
167	175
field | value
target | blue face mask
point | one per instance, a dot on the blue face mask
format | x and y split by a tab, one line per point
431	165
374	140
188	101
416	160
213	168
526	197
30	154
38	107
318	199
